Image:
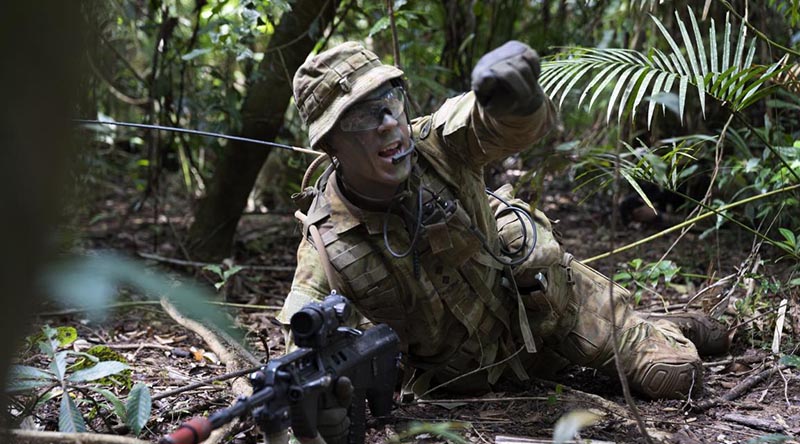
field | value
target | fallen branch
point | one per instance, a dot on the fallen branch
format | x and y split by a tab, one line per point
207	381
138	303
740	389
578	396
140	346
235	357
767	425
501	439
748	359
173	261
17	436
612	407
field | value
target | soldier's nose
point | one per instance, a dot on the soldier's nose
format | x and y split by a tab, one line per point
388	122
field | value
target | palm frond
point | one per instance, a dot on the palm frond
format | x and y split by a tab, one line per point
723	71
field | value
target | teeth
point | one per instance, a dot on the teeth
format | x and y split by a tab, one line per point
390	150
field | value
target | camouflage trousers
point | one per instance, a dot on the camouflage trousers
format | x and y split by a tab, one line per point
576	311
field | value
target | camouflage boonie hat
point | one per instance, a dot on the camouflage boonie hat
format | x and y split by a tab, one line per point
327	84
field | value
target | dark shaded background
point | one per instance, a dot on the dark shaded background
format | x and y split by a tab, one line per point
41	48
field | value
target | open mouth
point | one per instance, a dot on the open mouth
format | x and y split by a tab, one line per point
390	150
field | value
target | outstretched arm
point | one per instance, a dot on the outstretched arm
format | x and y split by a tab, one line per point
506	112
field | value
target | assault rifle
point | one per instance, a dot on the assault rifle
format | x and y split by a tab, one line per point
287	391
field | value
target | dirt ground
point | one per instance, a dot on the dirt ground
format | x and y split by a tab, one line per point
166	356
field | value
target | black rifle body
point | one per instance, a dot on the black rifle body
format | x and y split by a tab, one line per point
289	390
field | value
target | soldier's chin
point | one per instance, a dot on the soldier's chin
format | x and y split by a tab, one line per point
397	173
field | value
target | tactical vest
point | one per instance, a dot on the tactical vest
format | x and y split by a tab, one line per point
454	274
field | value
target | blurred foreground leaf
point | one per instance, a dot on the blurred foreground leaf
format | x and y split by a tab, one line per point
570	424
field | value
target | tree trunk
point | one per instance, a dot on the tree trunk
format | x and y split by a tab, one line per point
217	215
459	24
44	49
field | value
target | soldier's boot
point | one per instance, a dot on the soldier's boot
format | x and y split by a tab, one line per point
709	335
658	361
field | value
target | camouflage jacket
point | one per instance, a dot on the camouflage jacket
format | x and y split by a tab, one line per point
450	308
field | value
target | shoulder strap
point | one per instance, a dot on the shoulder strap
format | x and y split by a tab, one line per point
316	214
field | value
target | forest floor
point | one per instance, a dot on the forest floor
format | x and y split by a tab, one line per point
165	355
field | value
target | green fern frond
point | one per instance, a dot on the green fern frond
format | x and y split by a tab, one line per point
728	75
789	9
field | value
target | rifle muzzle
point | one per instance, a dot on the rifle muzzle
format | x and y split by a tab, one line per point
193	431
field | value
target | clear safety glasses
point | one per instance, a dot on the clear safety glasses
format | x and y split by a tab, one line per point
369	114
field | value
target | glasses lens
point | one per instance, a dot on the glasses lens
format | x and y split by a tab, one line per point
369	114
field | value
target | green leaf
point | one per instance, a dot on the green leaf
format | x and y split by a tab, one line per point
48	396
69	418
726	47
641	92
138	407
790	360
638	189
231	271
712	38
676	51
214	268
633	85
99	370
662	61
620	84
687	42
772	438
66	335
92	358
657	85
611	76
562	71
701	49
28	372
59	365
748	61
195	53
119	407
379	26
18	386
738	59
49	345
682	96
594	81
769	74
572	74
789	236
622	277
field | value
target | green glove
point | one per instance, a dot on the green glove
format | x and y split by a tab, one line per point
505	80
333	423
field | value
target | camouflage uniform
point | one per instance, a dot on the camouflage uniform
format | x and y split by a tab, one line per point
458	311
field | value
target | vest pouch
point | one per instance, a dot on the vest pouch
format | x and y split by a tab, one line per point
451	240
546	247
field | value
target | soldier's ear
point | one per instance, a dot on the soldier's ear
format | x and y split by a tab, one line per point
324	145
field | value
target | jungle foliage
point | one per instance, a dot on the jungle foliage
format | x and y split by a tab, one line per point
701	97
700	101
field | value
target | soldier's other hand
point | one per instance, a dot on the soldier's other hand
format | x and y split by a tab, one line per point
505	80
333	423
